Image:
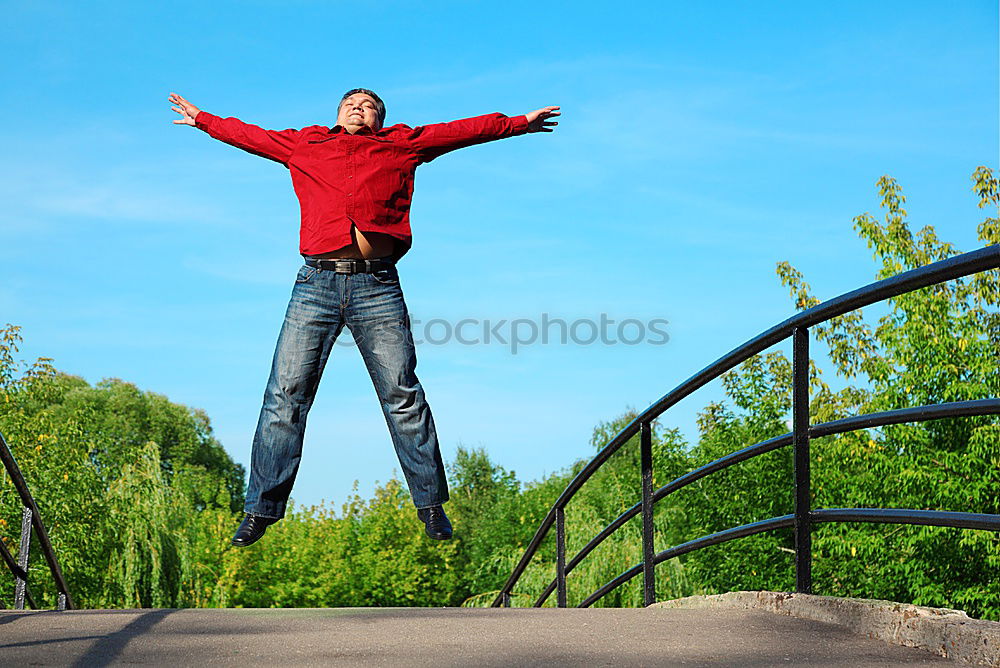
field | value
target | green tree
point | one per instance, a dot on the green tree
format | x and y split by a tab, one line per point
753	490
487	512
934	345
612	490
122	478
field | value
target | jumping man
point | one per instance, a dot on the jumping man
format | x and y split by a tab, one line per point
354	182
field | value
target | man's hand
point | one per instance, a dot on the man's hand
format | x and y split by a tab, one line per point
187	110
537	119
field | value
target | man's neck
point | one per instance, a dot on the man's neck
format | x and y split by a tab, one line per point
355	129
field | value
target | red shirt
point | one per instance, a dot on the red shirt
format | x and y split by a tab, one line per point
364	178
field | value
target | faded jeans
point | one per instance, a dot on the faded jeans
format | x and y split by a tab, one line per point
372	307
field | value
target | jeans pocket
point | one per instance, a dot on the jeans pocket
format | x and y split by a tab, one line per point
305	273
386	276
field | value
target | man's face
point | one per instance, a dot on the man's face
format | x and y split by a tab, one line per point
358	111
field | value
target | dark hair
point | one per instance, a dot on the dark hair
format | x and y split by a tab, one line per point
379	104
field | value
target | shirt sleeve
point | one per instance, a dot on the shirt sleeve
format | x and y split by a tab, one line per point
276	145
430	141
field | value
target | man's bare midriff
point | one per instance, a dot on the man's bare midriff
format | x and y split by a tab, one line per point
366	245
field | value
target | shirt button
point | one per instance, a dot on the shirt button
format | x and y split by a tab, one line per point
350	176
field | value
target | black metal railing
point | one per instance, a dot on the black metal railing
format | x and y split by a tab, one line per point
804	517
30	518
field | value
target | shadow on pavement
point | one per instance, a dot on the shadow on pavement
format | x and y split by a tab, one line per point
110	646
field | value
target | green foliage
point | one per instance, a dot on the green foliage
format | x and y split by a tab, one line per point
935	345
494	515
120	477
376	554
611	491
754	490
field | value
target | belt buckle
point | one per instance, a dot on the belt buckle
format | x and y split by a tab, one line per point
343	266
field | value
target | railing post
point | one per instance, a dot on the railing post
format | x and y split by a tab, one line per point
22	558
646	464
10	464
560	557
800	443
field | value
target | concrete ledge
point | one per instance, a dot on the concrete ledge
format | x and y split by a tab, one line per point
947	633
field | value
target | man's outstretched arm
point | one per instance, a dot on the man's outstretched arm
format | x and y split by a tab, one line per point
275	145
440	138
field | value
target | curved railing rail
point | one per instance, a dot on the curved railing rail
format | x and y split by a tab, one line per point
30	518
804	517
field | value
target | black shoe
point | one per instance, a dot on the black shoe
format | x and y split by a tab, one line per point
436	523
252	528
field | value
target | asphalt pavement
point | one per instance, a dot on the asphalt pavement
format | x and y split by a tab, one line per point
438	637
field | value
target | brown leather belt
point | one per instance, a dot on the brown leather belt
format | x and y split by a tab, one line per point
349	265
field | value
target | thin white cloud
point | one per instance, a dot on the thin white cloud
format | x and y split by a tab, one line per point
114	194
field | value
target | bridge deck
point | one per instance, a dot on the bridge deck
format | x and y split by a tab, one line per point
439	637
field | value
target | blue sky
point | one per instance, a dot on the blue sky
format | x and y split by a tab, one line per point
700	144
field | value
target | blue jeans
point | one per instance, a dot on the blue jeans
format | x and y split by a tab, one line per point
372	307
